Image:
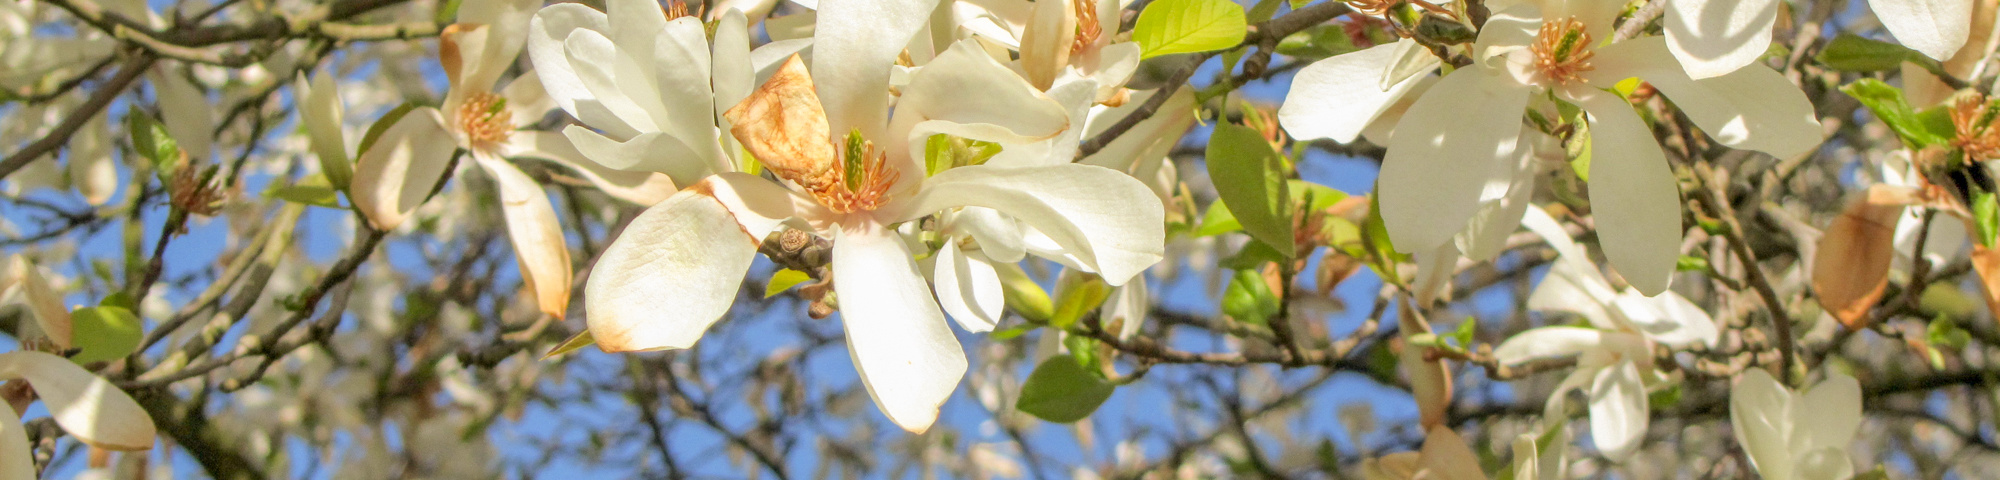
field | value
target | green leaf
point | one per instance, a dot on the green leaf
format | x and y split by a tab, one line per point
1026	298
580	340
1253	256
103	333
1217	220
151	140
1377	236
1854	53
1943	332
782	280
1314	196
1262	11
1083	349
448	11
1184	26
1888	104
1059	391
1317	42
119	299
1013	332
1248	299
1077	295
316	195
1463	334
1298	4
1689	263
944	152
1665	398
1986	214
1250	178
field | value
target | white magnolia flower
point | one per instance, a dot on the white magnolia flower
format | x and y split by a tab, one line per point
1714	37
1937	28
1441	157
1616	351
1793	435
399	171
22	283
91	409
651	89
850	174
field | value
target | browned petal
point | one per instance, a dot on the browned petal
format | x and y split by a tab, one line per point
1851	268
1430	379
448	56
783	126
1986	262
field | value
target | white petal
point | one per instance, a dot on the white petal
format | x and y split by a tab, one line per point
681	70
1760	414
969	289
537	236
1752	108
907	357
321	113
1077	96
1668	318
1937	28
1830	462
651	152
978	97
88	407
1547	343
1713	37
1148	142
1633	195
1565	289
1504	201
643	188
1130	304
1115	65
672	273
1104	217
17	460
527	100
1045	45
1567	251
506	23
999	236
1439	159
1435	270
732	76
185	113
43	302
547	35
1830	413
1618	411
630	98
91	169
856	42
1336	98
399	170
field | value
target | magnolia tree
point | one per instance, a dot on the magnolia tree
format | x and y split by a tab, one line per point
1385	239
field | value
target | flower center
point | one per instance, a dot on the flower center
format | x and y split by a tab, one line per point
1562	51
676	9
1972	118
1087	29
484	118
863	181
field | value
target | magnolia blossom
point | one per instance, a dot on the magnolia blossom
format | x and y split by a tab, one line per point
852	173
649	85
1615	354
405	164
89	408
1444	151
1796	435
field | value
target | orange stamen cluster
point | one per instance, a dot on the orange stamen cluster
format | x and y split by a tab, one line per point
871	190
1087	30
676	9
1562	51
484	118
1972	117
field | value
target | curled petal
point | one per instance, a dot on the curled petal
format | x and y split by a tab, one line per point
1337	97
969	289
1938	28
1752	108
1618	410
1711	38
907	357
672	273
1046	43
965	93
88	407
21	277
536	234
1851	268
1106	218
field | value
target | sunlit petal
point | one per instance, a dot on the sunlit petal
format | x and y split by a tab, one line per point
907	357
1100	215
1633	195
536	234
1439	159
88	407
969	289
1712	38
401	168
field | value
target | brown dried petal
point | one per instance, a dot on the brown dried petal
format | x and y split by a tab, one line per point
1852	266
783	126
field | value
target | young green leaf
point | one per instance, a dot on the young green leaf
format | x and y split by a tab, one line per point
1077	295
1248	299
315	195
1854	53
103	333
1024	297
1986	214
1887	103
782	280
1060	391
1250	178
1184	26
